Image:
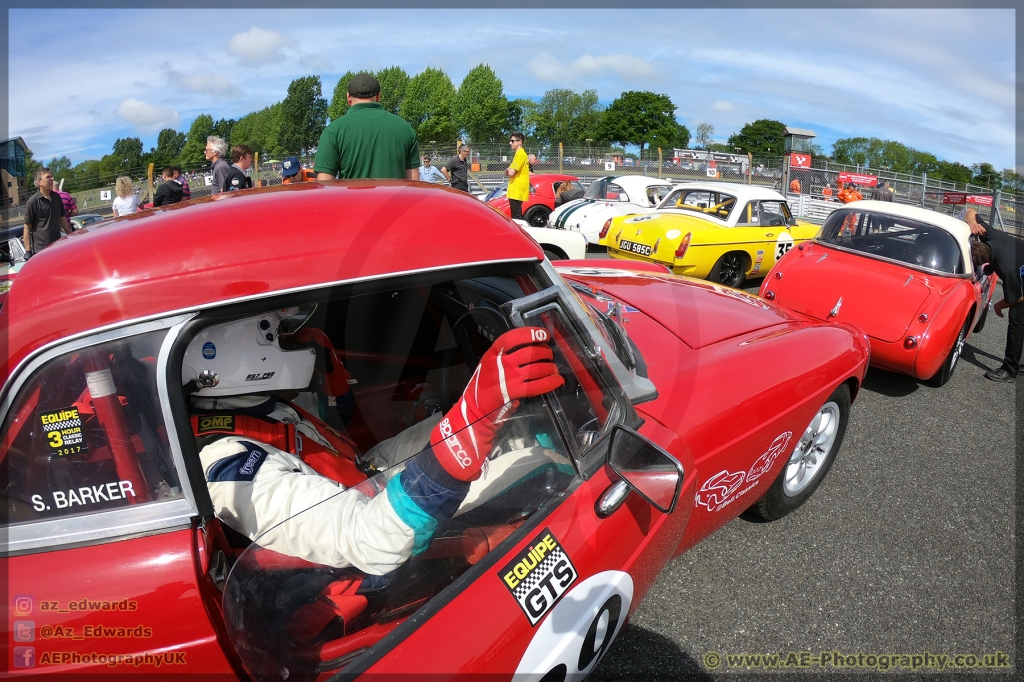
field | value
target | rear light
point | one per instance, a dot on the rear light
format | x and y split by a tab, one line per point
604	230
778	275
770	295
684	245
910	342
922	317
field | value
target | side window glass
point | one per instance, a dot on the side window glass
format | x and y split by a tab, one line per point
616	193
773	214
86	434
749	216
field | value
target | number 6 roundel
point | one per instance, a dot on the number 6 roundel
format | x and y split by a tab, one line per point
578	631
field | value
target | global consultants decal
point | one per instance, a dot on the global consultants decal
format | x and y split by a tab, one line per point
725	487
539	575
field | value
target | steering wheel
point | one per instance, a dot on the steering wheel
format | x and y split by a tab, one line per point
474	333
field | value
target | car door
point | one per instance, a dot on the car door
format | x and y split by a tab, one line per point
101	524
529	577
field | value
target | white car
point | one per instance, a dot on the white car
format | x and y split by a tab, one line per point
557	244
608	197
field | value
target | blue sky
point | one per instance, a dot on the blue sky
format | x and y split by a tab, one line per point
899	74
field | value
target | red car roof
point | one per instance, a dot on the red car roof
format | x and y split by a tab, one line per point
247	243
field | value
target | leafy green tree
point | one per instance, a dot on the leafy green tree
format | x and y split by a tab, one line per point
86	175
481	110
31	166
643	118
193	153
61	169
1012	180
519	117
985	174
566	116
393	82
125	159
169	144
303	115
222	128
261	131
427	106
955	172
705	131
759	137
339	100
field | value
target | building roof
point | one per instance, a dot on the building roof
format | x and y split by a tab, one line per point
800	132
19	141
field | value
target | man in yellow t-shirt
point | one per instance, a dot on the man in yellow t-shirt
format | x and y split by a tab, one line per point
519	177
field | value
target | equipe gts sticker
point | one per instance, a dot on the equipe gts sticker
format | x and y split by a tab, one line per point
539	575
63	430
101	383
218	422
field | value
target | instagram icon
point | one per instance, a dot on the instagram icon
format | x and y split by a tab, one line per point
23	604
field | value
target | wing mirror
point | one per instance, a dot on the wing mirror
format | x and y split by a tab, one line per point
651	472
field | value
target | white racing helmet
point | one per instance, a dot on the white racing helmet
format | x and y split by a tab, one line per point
244	357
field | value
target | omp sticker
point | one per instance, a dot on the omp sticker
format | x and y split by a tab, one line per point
539	575
725	487
783	243
101	383
63	431
218	422
571	641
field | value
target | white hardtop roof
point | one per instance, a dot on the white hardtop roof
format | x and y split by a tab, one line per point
958	228
743	192
638	182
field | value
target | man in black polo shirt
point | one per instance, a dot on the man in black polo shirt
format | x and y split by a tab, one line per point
44	215
1004	253
457	169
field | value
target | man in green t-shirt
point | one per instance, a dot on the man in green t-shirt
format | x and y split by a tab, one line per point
367	142
519	177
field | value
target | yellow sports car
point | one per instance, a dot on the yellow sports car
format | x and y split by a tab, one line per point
720	231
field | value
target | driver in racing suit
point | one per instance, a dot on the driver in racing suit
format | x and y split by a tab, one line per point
256	484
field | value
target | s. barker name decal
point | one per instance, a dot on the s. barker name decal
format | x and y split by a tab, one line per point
86	494
539	575
725	487
63	431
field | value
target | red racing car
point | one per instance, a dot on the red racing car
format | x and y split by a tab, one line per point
536	209
221	458
901	274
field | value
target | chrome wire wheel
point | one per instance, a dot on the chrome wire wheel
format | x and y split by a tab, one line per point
958	348
812	451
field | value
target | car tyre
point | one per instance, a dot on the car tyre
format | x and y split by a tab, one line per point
810	461
730	270
537	216
552	253
981	319
946	371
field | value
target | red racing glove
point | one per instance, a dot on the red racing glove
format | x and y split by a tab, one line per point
518	365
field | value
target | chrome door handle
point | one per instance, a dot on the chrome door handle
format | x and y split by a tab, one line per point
611	499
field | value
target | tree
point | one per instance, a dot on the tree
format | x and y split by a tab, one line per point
61	168
222	128
86	175
193	153
339	100
643	118
393	82
427	106
261	130
169	144
759	137
985	174
125	159
303	115
954	172
521	113
566	116
1012	180
704	133
481	110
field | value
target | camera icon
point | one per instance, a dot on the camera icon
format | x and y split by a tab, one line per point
23	604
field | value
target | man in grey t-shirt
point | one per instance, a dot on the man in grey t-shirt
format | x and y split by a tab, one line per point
44	215
456	171
216	150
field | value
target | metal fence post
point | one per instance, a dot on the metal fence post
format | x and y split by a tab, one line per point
750	165
659	163
993	216
924	187
561	153
151	191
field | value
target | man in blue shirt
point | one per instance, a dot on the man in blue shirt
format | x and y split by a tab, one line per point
430	173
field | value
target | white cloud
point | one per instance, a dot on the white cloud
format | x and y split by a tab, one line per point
147	117
625	65
258	46
204	83
722	105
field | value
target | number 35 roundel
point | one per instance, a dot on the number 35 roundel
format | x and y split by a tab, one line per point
579	630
